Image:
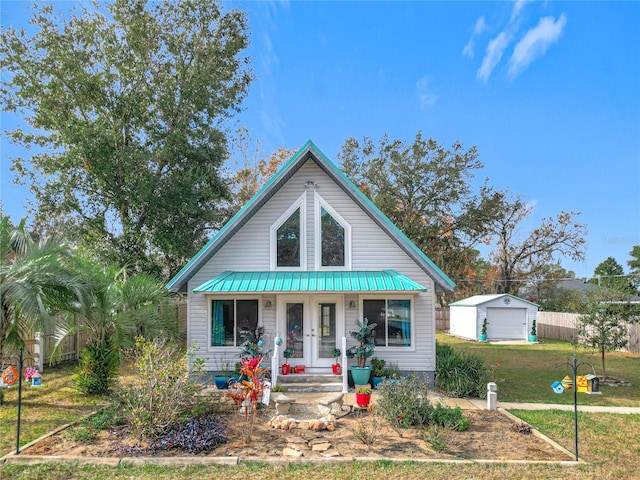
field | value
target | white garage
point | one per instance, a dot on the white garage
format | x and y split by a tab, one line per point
508	317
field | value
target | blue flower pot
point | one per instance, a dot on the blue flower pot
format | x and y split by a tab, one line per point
222	383
375	381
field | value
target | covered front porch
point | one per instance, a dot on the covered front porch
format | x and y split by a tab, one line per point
310	313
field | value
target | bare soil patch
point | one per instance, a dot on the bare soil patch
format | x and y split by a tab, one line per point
490	436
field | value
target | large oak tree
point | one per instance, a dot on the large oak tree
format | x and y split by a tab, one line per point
128	102
426	190
519	257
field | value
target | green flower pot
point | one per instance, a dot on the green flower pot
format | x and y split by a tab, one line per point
360	375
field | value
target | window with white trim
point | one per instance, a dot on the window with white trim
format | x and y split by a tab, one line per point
288	242
288	235
231	319
332	238
393	321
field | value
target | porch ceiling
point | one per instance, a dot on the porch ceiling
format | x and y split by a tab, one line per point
316	281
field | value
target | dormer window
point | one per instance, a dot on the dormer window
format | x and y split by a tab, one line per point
333	238
288	235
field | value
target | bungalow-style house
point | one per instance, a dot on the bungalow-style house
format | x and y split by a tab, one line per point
305	258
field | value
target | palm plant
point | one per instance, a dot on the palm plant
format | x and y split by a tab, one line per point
112	311
36	281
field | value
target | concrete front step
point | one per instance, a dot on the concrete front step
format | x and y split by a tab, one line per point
309	378
313	387
309	382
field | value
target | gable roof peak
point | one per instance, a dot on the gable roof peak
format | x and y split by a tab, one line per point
309	151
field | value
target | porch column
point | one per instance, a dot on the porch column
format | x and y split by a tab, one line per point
274	362
345	367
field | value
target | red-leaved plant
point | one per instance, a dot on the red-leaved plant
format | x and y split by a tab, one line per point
247	391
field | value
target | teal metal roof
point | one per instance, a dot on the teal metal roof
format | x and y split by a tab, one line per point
480	299
322	281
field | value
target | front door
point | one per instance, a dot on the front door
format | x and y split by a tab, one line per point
313	327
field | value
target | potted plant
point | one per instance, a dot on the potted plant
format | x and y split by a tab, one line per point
336	367
223	374
362	351
483	332
378	371
287	354
363	395
235	378
534	333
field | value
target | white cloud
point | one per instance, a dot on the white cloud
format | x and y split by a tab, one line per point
479	28
425	95
535	43
517	8
493	55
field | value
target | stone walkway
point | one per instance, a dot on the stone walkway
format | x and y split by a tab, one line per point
473	403
311	398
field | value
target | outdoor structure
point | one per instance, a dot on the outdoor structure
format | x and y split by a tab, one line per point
305	258
508	317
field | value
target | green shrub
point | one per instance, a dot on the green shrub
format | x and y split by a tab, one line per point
404	403
437	437
460	374
162	391
449	418
97	368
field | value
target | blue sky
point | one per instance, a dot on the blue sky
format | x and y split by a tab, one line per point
549	93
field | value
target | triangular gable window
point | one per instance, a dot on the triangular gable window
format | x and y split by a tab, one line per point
333	238
288	238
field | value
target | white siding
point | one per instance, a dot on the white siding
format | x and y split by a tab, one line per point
463	322
372	249
466	321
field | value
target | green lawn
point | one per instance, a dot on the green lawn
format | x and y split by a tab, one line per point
611	443
524	373
44	408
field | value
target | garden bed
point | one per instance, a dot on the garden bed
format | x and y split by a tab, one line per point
491	435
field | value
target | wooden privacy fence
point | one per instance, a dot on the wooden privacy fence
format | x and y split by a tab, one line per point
564	326
38	349
442	319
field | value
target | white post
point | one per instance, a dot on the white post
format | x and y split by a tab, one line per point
38	351
345	367
274	363
492	396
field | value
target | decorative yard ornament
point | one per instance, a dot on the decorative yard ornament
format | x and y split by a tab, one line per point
557	387
10	375
569	382
36	379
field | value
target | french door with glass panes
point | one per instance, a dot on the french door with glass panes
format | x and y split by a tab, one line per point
313	327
